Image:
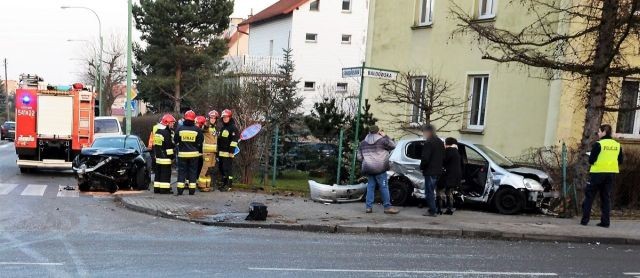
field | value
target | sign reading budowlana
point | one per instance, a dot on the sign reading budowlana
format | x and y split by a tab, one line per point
369	72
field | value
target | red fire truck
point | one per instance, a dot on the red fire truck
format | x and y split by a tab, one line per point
52	123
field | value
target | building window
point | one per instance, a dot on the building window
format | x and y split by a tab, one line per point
341	87
417	113
314	6
346	5
426	12
309	86
478	89
486	9
346	39
629	121
311	37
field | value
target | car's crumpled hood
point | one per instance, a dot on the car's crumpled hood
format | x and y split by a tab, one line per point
526	170
108	151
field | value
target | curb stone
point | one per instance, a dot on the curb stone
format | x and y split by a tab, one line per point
355	229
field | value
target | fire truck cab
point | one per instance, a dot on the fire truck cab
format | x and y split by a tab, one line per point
53	123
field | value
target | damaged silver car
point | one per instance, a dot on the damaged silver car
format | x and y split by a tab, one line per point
489	178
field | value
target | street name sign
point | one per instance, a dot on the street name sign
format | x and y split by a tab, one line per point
380	74
351	72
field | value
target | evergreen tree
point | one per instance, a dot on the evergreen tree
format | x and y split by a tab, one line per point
326	120
183	47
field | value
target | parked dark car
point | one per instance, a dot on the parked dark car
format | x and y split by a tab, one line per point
303	156
8	131
114	162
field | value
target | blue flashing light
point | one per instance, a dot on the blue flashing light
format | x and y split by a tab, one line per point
26	99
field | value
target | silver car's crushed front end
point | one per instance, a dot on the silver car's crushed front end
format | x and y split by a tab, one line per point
336	193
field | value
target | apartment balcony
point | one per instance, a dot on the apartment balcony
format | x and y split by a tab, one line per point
253	65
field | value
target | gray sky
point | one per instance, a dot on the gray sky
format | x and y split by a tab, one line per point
34	33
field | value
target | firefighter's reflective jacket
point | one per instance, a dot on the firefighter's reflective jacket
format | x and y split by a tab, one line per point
189	140
227	140
210	144
163	142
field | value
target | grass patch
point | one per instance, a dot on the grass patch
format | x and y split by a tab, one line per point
293	181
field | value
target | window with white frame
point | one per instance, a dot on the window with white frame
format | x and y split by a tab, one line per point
426	12
478	90
346	39
315	5
309	86
486	9
346	5
417	113
311	37
628	123
342	87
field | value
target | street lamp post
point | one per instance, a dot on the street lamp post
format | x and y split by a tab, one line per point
128	105
99	62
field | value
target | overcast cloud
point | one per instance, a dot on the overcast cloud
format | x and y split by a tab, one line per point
34	33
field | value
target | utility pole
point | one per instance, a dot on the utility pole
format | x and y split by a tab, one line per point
6	88
129	53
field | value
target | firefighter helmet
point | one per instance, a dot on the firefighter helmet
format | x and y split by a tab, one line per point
227	113
200	121
167	119
190	115
213	114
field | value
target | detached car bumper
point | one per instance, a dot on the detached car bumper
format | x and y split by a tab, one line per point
336	193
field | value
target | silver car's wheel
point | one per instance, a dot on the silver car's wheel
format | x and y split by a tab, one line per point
508	201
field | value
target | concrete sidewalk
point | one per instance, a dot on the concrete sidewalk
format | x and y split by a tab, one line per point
294	213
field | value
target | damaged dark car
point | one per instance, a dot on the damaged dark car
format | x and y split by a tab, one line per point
113	163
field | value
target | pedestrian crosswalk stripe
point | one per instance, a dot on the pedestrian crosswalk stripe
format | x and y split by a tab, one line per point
6	188
34	190
66	193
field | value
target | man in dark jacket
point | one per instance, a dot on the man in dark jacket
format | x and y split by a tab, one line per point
452	174
431	166
374	154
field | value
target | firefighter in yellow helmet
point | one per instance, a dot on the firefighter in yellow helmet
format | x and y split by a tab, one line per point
163	152
188	139
209	149
605	159
227	143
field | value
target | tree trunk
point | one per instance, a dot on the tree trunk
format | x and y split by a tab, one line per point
176	89
596	96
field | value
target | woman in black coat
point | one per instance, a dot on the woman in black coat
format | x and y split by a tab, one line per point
452	174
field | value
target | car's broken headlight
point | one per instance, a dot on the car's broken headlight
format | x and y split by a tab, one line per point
533	185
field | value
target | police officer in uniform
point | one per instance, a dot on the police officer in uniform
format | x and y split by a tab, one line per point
227	143
163	152
605	158
209	149
188	138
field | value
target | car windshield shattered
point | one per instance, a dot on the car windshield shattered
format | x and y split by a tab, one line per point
498	158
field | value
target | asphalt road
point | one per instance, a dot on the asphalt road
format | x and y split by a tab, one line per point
52	233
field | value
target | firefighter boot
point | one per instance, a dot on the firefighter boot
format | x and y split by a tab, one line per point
180	188
223	184
192	188
204	184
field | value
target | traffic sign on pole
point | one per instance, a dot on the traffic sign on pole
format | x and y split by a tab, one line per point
380	73
351	72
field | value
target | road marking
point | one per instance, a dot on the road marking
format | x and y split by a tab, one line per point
67	193
26	263
634	274
471	272
34	190
6	188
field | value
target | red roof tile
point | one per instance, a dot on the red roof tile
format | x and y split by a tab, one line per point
281	7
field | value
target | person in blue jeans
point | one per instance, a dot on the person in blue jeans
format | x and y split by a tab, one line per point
374	153
431	166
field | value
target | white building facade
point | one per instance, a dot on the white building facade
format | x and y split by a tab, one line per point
325	36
